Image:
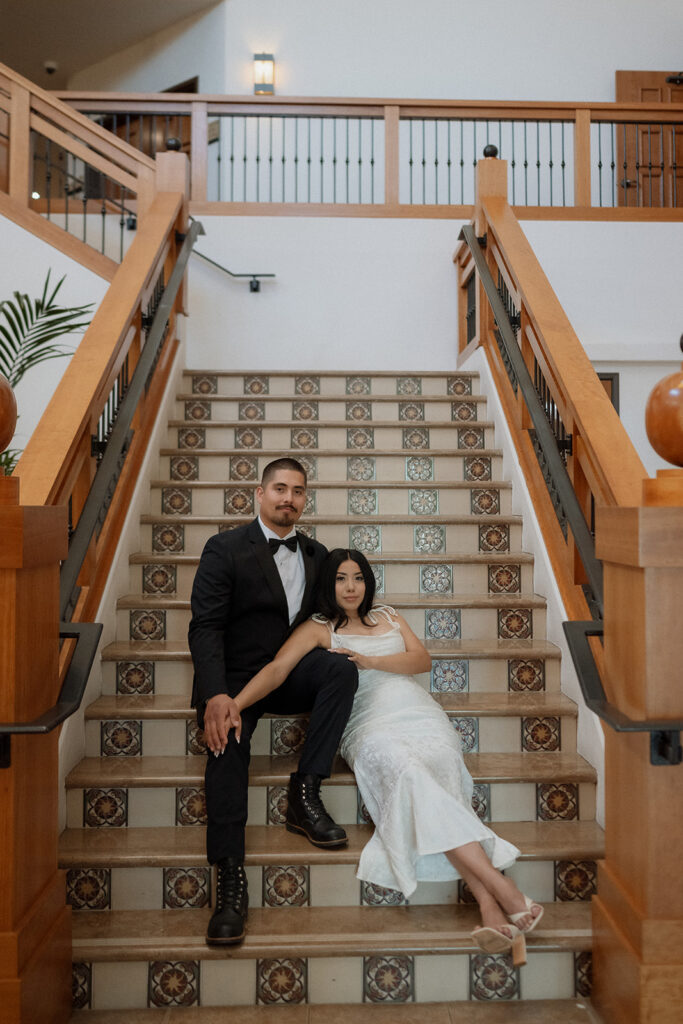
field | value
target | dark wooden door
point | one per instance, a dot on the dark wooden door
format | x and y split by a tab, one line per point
650	154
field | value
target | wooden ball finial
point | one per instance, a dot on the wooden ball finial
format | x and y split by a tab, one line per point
664	417
8	413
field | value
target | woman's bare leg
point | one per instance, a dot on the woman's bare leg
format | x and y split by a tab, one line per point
496	895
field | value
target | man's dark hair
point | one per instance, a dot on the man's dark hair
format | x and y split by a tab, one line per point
286	463
325	598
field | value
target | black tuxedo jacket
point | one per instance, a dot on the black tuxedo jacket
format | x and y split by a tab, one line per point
239	609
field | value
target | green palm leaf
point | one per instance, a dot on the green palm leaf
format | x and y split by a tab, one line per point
28	328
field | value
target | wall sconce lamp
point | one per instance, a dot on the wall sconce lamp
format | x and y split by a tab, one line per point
264	74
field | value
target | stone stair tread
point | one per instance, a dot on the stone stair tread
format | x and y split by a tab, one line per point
194	372
311	931
483	704
173	601
319	485
536	1011
272	844
269	770
321	452
183	424
189	396
385	558
407	519
178	650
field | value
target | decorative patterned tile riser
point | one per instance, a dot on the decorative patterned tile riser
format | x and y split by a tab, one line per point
151	807
364	500
227	982
496	734
316	885
475	623
333	467
251	437
294	386
320	408
401	578
392	537
483	674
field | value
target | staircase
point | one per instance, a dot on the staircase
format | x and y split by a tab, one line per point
405	469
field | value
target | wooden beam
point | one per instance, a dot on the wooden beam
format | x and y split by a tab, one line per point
20	145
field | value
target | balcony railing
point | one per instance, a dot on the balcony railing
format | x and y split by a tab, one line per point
364	156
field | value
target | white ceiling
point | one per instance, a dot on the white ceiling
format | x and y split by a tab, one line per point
77	33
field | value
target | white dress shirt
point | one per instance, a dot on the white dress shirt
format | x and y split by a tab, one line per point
290	565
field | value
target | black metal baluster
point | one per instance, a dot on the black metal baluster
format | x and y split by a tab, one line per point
372	161
538	163
360	160
122	220
308	163
600	163
474	154
48	174
462	161
232	158
449	162
638	166
103	211
244	161
513	164
410	161
258	159
295	122
649	159
322	160
436	161
270	159
550	165
334	159
661	166
674	167
526	168
564	165
219	160
613	162
424	163
346	159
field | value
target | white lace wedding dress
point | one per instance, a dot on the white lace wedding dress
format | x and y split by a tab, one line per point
408	763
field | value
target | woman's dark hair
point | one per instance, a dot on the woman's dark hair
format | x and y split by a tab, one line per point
325	598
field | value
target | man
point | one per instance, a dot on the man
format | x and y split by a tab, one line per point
253	586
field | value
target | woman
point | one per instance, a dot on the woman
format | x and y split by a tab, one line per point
406	756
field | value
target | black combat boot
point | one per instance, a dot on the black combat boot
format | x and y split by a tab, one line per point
226	926
306	812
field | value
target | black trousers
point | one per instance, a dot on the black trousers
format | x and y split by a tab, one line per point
322	683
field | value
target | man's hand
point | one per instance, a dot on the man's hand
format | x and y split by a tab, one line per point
220	716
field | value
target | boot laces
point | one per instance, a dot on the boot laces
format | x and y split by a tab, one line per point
311	799
231	885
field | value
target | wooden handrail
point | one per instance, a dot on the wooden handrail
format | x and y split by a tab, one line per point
603	465
608	453
44	467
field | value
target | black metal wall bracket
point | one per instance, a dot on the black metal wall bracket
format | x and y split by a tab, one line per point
665	735
87	636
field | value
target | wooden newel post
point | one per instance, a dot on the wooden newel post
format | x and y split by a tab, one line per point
638	912
35	923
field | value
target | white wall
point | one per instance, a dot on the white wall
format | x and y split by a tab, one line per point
620	286
493	49
24	263
350	293
195	46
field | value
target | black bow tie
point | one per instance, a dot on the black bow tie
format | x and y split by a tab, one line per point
274	544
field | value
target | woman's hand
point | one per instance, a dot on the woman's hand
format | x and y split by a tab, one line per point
360	660
221	714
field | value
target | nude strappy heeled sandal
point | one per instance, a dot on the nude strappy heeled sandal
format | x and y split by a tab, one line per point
490	940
